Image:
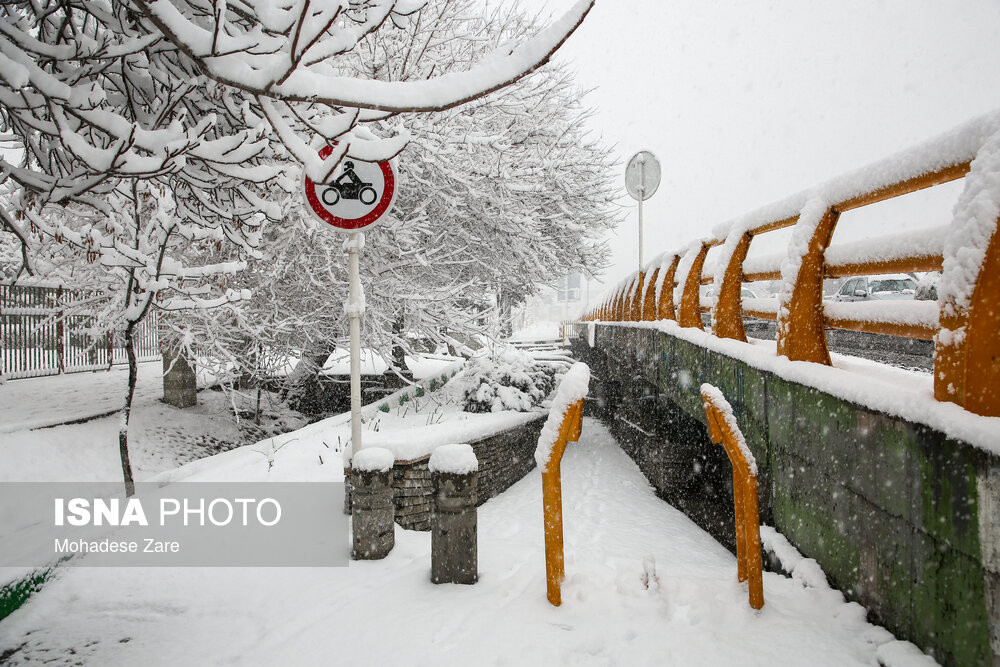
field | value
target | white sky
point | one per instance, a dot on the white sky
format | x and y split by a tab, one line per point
750	101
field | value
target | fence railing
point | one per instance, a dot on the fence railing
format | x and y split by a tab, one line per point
42	334
964	323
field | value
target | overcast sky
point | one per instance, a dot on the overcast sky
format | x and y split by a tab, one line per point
749	101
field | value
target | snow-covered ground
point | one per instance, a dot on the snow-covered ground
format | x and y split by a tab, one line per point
57	399
537	332
645	586
161	437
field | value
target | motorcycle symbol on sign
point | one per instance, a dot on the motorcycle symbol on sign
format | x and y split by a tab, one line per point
349	186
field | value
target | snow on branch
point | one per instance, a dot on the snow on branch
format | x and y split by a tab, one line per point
263	53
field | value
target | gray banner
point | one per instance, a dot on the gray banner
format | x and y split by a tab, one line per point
226	524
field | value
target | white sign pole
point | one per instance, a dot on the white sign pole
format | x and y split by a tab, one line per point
642	182
642	177
354	309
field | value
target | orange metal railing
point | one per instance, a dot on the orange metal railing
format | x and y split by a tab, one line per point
555	570
967	329
723	430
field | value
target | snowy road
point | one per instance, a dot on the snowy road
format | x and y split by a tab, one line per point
693	611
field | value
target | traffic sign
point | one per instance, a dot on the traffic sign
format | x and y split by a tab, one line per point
356	198
642	175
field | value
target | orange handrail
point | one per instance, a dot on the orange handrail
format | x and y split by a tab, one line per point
555	570
722	429
967	337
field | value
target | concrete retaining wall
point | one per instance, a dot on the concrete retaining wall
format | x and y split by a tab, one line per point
902	518
504	458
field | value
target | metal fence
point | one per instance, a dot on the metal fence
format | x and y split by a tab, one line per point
38	338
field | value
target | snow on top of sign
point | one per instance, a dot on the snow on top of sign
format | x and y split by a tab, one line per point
572	388
975	222
457	459
373	459
725	410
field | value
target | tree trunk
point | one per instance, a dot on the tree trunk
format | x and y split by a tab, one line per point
133	373
301	388
398	354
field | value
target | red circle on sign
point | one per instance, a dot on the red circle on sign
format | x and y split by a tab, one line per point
352	224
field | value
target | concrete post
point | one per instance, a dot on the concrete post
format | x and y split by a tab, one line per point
180	386
454	551
372	509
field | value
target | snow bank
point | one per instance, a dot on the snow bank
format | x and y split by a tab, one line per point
373	459
573	387
455	459
413	443
726	410
891	652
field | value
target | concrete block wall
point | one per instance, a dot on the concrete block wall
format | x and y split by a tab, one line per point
504	458
903	519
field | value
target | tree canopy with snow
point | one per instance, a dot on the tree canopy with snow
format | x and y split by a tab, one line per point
148	135
497	197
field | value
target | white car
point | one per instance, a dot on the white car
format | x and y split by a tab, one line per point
888	287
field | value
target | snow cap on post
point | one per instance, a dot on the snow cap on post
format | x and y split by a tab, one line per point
713	393
572	388
373	459
454	459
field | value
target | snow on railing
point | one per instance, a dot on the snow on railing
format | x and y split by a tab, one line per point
563	425
964	323
723	430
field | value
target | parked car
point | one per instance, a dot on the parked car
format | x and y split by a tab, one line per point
889	287
744	293
749	323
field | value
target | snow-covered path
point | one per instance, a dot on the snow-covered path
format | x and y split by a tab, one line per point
693	611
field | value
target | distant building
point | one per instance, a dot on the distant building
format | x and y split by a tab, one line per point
563	300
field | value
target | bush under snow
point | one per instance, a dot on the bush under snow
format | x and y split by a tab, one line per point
510	381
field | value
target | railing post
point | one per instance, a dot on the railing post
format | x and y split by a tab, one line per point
616	305
665	305
722	429
690	307
649	297
635	303
967	347
801	334
555	570
727	316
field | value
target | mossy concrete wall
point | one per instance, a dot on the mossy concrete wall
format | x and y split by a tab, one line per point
902	518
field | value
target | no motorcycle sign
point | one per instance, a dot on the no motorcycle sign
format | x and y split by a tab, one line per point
356	198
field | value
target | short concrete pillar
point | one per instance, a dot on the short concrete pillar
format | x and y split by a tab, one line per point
454	550
372	510
180	386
